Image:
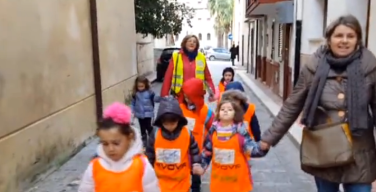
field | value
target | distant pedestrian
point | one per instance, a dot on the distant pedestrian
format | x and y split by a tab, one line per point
228	147
143	99
120	165
233	52
237	52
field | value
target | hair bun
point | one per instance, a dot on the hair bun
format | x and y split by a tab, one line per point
119	113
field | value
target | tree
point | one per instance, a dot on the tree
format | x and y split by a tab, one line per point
223	11
161	17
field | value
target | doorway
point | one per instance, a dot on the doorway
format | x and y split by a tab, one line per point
287	84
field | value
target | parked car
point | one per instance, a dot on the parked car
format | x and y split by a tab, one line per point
218	54
163	62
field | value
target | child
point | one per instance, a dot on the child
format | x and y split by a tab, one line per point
120	165
227	146
198	114
227	77
143	105
234	91
172	148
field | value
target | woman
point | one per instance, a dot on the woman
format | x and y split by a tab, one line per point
340	79
186	64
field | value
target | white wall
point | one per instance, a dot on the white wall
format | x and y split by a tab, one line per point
313	19
202	23
372	28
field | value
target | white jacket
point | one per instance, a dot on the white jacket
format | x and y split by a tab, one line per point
149	180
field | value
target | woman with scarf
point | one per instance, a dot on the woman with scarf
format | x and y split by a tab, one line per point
186	64
338	84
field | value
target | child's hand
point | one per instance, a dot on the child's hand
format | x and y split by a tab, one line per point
264	146
197	169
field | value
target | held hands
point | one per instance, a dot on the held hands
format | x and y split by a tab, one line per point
264	146
197	169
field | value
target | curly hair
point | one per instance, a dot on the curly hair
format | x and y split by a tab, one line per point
140	79
235	95
238	117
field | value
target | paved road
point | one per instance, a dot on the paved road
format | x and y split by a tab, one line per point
279	171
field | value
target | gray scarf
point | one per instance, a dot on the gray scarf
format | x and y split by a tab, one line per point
356	100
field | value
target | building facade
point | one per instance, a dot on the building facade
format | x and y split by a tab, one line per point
202	24
57	71
279	36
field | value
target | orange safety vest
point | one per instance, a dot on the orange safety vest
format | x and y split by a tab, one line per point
230	170
128	180
221	87
248	117
197	122
172	163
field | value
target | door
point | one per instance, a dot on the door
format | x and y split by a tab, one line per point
285	57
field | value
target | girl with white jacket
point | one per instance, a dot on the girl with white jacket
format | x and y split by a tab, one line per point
120	165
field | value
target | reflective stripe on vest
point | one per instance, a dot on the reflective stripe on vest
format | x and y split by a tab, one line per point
177	77
196	122
106	180
230	170
172	163
248	117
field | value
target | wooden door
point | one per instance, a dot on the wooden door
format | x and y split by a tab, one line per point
285	58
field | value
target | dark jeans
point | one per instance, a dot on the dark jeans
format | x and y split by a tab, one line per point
327	186
196	183
233	61
146	128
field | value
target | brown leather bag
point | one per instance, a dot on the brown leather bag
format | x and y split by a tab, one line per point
327	145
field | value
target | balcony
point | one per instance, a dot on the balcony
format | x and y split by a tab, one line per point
257	8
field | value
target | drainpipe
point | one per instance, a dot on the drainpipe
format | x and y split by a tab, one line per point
96	59
298	37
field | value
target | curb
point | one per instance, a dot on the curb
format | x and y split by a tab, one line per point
295	131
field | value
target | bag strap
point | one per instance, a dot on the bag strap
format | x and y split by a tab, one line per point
208	116
176	70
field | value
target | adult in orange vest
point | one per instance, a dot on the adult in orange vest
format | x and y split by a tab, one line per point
172	149
198	114
227	147
120	164
235	91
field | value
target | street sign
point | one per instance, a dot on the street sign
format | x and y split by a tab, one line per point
230	36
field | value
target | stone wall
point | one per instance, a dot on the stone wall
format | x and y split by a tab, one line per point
145	54
47	102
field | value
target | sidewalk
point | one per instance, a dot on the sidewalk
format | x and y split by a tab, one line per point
272	103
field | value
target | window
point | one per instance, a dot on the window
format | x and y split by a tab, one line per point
273	40
199	2
176	37
200	36
208	36
199	19
208	19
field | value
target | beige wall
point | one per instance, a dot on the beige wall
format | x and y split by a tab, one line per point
47	104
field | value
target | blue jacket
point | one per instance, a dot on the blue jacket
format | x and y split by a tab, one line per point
143	104
236	85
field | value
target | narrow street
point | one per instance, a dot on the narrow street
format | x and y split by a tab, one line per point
279	171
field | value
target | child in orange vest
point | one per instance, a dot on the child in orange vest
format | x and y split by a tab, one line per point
227	146
172	148
120	164
234	91
227	77
198	114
